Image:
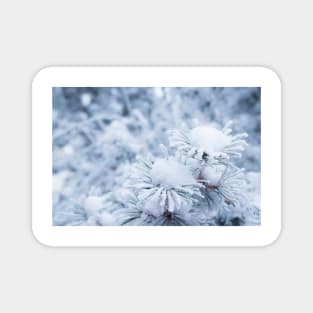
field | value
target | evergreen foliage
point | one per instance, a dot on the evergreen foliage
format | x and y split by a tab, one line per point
156	156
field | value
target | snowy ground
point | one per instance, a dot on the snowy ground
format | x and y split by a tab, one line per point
99	132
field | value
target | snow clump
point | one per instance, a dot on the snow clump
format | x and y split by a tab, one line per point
210	139
170	173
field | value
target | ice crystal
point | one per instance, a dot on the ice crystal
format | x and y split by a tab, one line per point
109	168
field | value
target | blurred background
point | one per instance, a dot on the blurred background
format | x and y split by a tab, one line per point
98	132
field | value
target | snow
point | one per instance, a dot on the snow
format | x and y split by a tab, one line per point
85	99
106	219
68	150
210	139
153	204
193	164
95	144
59	180
158	92
92	205
117	132
212	174
170	173
254	180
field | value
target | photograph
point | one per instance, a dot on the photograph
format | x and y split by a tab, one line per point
156	156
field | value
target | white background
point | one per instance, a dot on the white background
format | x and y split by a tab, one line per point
35	34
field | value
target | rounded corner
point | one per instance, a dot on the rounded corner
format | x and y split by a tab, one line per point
38	238
272	73
273	238
45	240
41	73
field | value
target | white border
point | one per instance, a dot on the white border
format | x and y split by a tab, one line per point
50	235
